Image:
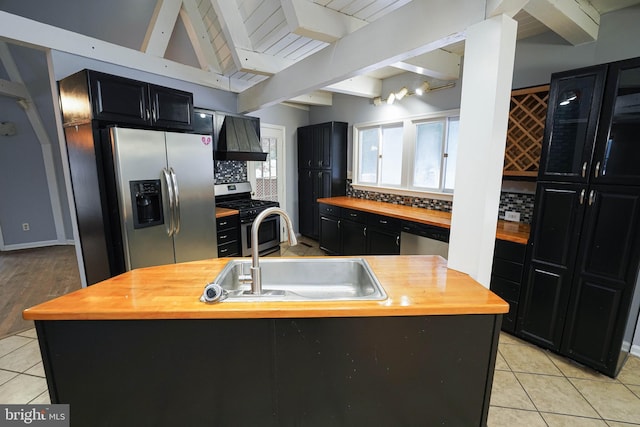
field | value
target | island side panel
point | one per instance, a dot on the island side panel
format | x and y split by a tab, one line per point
161	372
386	371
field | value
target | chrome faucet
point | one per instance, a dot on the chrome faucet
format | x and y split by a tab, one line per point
256	273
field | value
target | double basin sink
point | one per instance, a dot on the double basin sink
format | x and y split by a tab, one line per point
303	279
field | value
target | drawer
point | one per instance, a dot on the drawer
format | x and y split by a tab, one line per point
353	215
507	270
227	222
229	249
382	221
226	236
328	209
505	289
510	251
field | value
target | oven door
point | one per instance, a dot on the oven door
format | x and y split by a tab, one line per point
268	236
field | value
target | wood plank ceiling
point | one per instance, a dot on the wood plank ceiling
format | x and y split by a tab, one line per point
241	44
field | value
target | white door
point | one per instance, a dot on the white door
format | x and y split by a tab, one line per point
267	178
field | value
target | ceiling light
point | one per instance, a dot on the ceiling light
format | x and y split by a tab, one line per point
401	93
391	98
424	87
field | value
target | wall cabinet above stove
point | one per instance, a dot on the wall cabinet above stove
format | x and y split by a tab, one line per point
89	95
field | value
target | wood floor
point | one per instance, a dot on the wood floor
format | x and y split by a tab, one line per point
31	276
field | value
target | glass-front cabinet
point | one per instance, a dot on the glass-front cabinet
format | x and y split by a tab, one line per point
572	122
617	156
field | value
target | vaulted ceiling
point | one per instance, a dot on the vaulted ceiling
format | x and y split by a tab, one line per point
302	51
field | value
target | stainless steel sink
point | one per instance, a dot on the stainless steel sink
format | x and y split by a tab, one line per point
304	279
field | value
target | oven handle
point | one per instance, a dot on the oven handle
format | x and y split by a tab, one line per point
167	179
176	204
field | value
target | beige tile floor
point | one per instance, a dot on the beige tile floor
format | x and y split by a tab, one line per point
531	387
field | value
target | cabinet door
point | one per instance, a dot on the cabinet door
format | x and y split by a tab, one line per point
305	147
555	234
305	202
322	145
330	234
354	238
571	123
171	108
118	99
606	272
617	156
382	242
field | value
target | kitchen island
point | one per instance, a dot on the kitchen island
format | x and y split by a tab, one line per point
141	349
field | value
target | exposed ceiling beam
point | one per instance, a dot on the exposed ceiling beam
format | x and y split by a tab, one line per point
318	97
364	86
199	37
309	19
418	27
576	21
438	64
507	7
161	26
27	32
12	89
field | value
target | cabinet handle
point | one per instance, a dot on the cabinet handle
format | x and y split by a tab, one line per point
592	197
364	232
584	169
309	163
319	174
339	224
309	174
223	236
582	196
147	113
319	163
223	223
382	221
597	171
353	215
397	240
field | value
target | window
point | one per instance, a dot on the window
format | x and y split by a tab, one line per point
381	155
415	155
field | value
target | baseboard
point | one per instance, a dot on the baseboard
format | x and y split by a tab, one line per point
635	350
31	245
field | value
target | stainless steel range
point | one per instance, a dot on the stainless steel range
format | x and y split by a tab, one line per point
238	196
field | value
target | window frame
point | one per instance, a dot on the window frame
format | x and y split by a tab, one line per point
409	142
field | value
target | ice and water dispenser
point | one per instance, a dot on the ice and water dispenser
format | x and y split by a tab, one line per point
146	201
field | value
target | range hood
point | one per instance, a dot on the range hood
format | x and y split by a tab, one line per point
238	140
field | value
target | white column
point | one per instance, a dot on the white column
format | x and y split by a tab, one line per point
484	112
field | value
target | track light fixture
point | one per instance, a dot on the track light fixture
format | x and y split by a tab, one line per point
404	91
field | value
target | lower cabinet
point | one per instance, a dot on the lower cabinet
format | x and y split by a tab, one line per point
352	232
228	236
506	278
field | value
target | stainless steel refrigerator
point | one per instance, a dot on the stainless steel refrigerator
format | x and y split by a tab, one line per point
164	183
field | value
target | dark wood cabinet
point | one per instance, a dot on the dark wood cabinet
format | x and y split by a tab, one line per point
322	170
354	237
228	230
120	100
580	297
330	233
506	277
383	235
572	120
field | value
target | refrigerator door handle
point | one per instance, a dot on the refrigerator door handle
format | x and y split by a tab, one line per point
176	197
167	179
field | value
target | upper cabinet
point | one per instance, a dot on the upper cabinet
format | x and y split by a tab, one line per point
90	95
526	128
571	124
616	158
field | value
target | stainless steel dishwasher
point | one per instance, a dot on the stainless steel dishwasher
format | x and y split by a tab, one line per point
424	239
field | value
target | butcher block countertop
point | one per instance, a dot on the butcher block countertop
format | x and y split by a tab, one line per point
517	232
415	285
222	212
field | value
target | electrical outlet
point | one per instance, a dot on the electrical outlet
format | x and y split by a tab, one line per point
512	216
25	226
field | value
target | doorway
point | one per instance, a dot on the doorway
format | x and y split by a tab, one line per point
268	178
